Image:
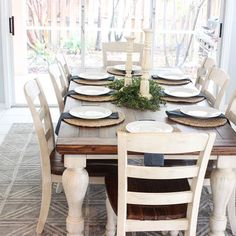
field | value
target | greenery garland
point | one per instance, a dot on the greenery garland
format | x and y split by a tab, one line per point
129	96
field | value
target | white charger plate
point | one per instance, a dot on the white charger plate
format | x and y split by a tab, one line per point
182	92
92	90
122	67
90	112
148	126
94	75
170	75
201	112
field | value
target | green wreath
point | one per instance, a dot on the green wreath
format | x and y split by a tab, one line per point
129	96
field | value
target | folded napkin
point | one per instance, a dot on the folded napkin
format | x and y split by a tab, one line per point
153	159
156	77
178	113
67	115
75	77
72	92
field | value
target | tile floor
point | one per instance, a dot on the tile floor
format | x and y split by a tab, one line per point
18	115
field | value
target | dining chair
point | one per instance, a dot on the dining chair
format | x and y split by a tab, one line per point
215	86
157	198
110	49
63	66
59	85
203	71
52	163
231	116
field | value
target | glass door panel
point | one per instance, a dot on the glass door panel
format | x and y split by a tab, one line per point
42	28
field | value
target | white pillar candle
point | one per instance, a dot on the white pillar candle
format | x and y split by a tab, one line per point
146	64
129	62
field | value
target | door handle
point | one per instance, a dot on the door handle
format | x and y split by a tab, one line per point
12	25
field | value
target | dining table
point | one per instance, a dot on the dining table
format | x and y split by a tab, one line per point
78	144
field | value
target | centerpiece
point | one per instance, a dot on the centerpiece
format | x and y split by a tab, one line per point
135	92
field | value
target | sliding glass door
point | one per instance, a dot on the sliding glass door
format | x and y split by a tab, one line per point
182	33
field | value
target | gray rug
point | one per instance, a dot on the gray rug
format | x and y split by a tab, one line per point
20	193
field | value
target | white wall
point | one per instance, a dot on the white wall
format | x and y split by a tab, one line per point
232	57
2	94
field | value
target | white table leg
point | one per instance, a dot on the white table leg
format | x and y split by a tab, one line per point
75	182
222	184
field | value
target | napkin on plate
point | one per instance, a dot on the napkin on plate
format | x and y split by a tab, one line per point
72	92
75	77
67	115
153	159
178	113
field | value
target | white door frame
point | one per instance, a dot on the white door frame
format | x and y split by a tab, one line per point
6	59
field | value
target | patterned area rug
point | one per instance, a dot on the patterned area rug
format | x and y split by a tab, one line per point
20	193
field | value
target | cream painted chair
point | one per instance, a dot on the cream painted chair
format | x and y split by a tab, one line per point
64	68
52	164
231	115
215	86
203	71
117	48
59	84
157	198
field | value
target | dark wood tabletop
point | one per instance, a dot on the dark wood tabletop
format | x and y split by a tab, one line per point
76	140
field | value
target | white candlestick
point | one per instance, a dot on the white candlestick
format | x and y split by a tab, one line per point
129	62
146	64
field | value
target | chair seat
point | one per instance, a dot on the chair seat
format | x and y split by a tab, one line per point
143	212
95	168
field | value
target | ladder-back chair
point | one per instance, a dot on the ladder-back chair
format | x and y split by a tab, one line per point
157	198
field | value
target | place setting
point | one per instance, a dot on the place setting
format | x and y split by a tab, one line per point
198	116
91	94
183	95
93	78
90	116
171	78
121	71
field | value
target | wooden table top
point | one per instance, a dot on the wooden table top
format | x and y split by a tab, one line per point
76	140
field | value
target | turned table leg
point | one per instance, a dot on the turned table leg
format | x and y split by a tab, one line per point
222	184
75	182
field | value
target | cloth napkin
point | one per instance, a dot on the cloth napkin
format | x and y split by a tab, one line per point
67	115
72	92
153	159
178	113
156	77
75	77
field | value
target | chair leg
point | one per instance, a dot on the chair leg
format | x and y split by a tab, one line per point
174	233
111	220
59	188
231	212
45	204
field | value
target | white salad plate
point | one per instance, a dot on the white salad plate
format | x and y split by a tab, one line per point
94	75
182	92
90	112
92	90
170	75
148	126
200	112
122	67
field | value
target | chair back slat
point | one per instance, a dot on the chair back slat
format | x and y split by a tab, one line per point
162	172
120	47
160	225
177	143
159	198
